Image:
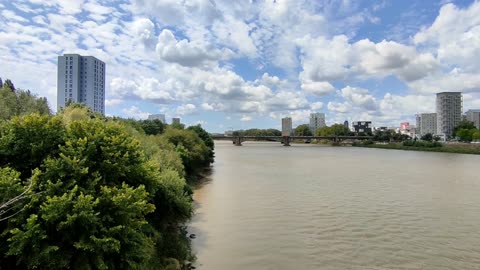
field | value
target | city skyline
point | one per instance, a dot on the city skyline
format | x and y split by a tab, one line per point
356	61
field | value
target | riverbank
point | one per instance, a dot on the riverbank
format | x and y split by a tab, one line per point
459	148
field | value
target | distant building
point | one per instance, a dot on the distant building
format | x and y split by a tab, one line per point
81	79
449	112
175	120
473	116
317	120
362	126
287	126
404	125
383	129
346	124
426	123
160	117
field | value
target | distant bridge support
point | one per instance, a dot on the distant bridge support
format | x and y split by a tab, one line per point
286	140
237	141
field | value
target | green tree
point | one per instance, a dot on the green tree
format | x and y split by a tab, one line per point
334	130
303	130
206	138
98	199
427	137
20	102
8	84
476	135
464	134
152	127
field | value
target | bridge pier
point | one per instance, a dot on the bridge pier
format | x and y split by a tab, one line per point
286	140
237	141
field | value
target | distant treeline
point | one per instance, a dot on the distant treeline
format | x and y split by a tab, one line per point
82	191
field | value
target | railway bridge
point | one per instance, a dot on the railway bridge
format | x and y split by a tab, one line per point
285	140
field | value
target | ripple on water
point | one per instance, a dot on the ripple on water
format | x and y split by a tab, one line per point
337	208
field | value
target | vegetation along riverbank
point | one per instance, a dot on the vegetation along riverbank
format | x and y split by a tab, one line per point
79	190
460	148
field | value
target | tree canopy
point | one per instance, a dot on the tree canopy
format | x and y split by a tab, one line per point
99	193
15	102
303	130
334	130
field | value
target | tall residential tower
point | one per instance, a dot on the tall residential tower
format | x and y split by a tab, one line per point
449	112
81	79
317	120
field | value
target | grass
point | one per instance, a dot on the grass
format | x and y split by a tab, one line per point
459	148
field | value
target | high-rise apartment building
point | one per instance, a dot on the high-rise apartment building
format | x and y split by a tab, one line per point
160	117
473	116
317	120
449	112
81	79
426	123
286	126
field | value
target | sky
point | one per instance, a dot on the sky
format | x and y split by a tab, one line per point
246	64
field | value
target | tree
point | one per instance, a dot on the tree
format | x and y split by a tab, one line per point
9	85
476	135
206	138
427	137
464	134
464	124
1	83
303	130
152	127
334	130
97	200
20	102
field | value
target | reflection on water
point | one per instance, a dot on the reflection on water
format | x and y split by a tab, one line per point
314	207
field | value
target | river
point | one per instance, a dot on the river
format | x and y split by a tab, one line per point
266	206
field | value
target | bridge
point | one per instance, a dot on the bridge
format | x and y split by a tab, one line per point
285	140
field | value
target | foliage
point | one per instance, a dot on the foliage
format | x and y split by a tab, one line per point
193	151
464	124
20	102
334	130
152	127
466	131
303	130
427	137
258	132
206	138
427	144
103	196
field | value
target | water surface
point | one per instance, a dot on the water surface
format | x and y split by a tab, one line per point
312	207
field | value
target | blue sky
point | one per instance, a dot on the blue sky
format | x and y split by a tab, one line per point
244	64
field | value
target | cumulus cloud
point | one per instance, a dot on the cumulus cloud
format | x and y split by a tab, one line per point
246	118
337	59
184	52
144	29
317	88
135	112
186	109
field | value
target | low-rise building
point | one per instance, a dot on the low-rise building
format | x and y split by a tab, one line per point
362	127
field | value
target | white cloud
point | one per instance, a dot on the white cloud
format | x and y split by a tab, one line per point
186	109
112	102
246	118
337	59
316	105
135	112
359	97
317	88
184	52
